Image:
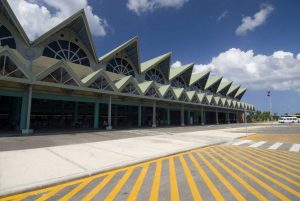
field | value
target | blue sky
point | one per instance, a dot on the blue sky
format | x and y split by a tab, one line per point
263	55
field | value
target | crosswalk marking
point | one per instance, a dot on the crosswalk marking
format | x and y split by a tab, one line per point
295	148
173	182
258	144
156	182
276	145
242	142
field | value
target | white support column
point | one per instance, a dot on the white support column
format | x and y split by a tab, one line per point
168	117
237	117
154	115
217	117
109	127
227	117
202	116
182	115
27	130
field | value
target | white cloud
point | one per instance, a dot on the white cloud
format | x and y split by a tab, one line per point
38	16
279	71
250	23
142	6
176	64
223	15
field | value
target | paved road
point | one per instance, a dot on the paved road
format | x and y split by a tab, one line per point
237	170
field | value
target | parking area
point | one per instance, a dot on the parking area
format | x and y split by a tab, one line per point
256	167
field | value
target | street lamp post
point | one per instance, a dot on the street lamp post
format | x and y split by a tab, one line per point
270	104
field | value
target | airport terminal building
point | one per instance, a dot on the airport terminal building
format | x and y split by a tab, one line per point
58	82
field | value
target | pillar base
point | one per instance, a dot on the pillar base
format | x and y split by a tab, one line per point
27	131
108	128
202	123
153	125
182	125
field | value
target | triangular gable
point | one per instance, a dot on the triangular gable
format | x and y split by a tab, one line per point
238	105
11	66
59	73
99	80
149	89
224	102
202	98
78	23
9	14
198	80
131	48
234	103
195	99
184	71
178	92
210	99
183	97
213	83
233	90
167	92
240	93
190	94
218	101
163	89
128	85
224	87
170	95
161	62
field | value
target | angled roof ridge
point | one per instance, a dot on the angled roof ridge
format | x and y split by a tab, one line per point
79	14
177	91
232	89
144	86
212	80
163	89
223	85
146	65
118	48
190	94
240	92
16	22
179	70
121	82
59	64
197	76
91	75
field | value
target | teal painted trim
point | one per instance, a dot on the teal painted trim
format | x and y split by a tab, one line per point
13	93
96	115
24	110
63	97
139	116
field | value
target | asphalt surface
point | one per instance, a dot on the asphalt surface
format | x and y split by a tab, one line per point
58	138
244	169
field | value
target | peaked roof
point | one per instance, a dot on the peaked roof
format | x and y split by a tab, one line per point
9	14
210	98
147	65
239	94
224	87
199	76
120	84
59	64
178	92
185	71
144	86
233	90
213	83
163	89
190	94
201	96
131	47
92	77
79	24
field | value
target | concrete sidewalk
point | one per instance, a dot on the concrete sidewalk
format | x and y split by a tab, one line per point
22	170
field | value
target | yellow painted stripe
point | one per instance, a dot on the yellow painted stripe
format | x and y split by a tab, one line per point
252	190
284	156
137	186
78	188
249	157
173	181
111	196
213	189
276	160
285	187
226	183
265	160
98	188
191	182
156	182
48	195
251	176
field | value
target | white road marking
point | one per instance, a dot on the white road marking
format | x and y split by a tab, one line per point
257	144
295	148
242	142
276	145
